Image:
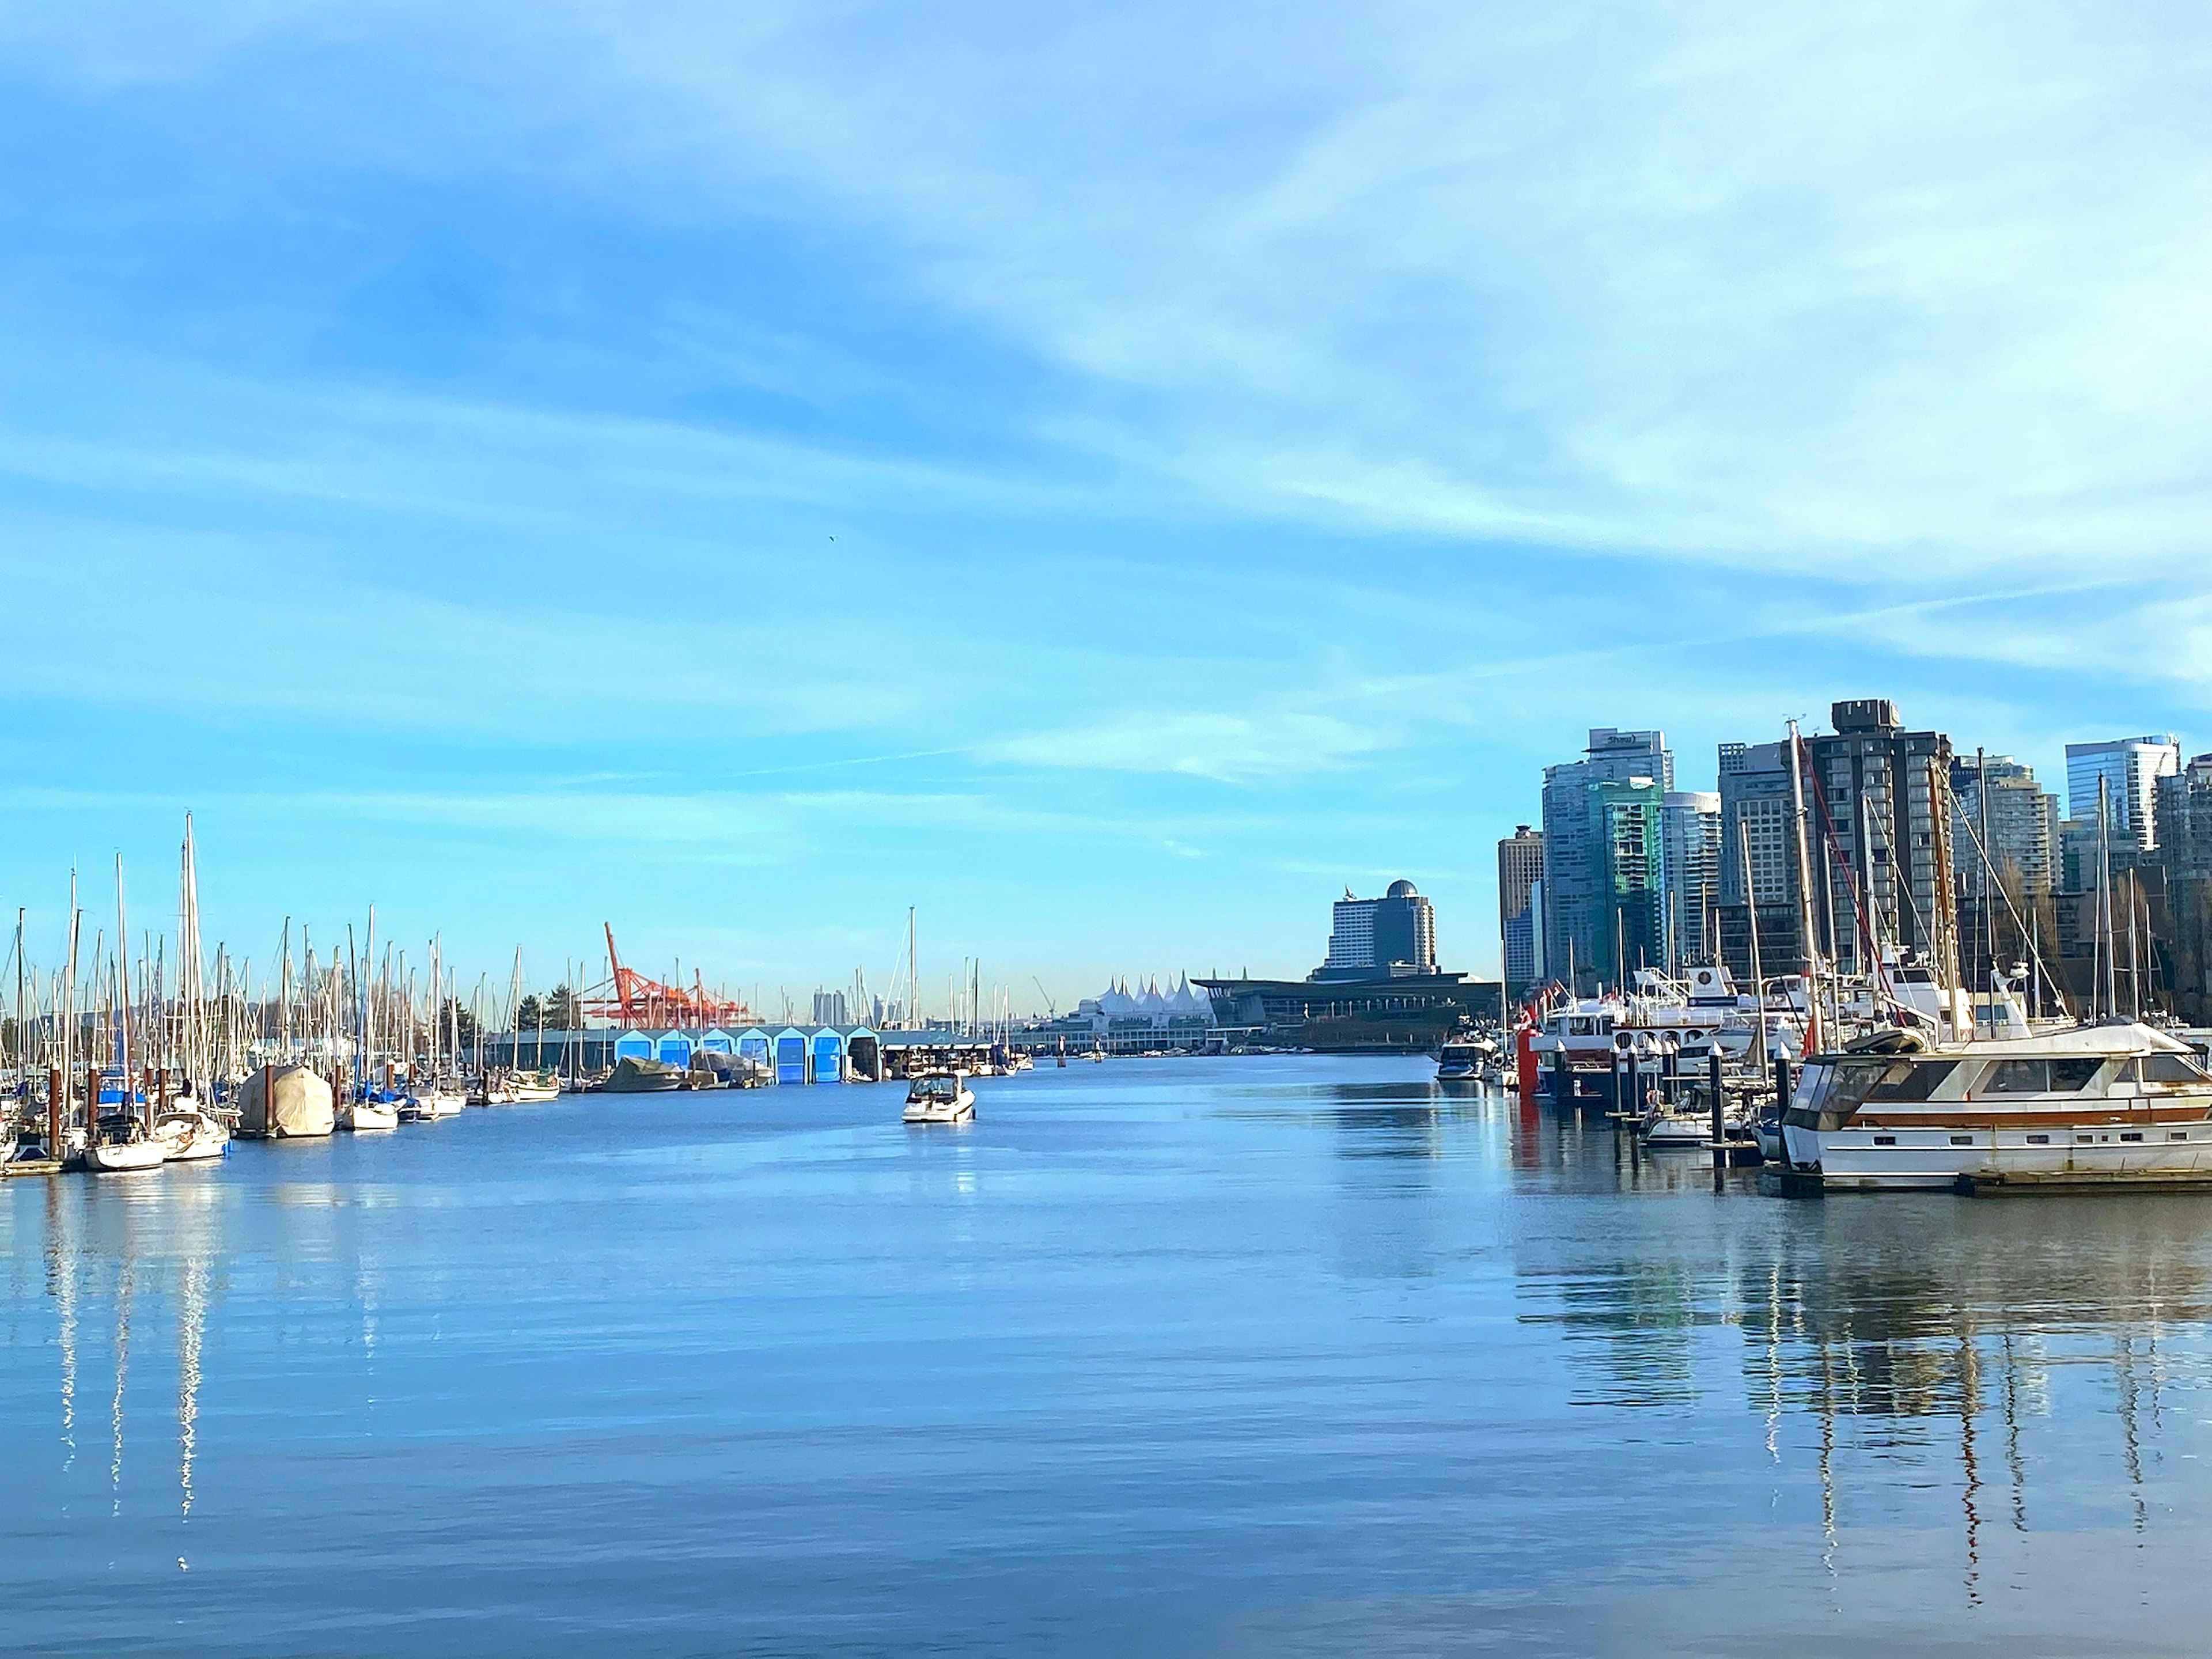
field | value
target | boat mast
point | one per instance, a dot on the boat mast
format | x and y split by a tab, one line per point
2109	980
1757	977
1804	892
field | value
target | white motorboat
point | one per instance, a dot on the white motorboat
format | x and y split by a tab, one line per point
123	1145
939	1098
2111	1105
440	1102
530	1088
1465	1060
190	1133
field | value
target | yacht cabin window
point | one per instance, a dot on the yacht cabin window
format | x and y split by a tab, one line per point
2168	1068
2041	1076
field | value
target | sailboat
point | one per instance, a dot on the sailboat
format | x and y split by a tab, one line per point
120	1141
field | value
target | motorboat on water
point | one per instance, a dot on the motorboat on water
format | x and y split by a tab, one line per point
530	1088
1467	1059
2119	1104
121	1144
939	1098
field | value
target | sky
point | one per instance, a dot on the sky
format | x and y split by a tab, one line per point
1110	477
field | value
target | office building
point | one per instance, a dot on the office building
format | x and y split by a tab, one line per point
1602	883
1690	856
2130	769
1519	886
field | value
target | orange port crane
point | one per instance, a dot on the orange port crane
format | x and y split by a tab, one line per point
638	1000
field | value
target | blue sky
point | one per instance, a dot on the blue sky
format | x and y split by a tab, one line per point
1111	477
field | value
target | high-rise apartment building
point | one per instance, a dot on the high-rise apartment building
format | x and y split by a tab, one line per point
2131	767
1877	843
1519	886
1690	852
2023	827
1881	791
1757	885
1603	885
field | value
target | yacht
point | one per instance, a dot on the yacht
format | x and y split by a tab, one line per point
1466	1058
2112	1105
939	1098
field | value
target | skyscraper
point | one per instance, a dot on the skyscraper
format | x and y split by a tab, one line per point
1759	890
1520	880
1690	849
1393	934
1880	791
1877	843
1602	879
2132	768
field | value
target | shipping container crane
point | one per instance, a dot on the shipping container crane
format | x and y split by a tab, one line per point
641	1001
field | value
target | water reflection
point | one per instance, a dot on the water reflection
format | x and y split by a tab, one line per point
1973	1342
119	1255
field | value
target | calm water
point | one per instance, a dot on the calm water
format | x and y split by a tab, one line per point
1233	1357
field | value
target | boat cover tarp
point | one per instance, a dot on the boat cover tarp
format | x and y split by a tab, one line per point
635	1075
303	1104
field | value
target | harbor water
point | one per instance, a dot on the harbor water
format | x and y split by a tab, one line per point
1271	1356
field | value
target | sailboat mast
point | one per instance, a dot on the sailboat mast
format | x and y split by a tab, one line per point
2110	981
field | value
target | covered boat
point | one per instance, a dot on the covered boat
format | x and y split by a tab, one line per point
634	1075
304	1105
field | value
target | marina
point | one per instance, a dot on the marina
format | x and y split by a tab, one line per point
1193	1356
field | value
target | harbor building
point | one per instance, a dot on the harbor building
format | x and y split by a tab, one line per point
1690	858
1603	875
1520	900
1121	1021
2130	769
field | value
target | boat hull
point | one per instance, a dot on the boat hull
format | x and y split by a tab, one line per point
2100	1155
361	1118
126	1157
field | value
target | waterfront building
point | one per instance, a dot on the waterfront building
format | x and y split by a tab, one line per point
1393	934
2023	825
1690	858
1122	1021
1379	988
1520	884
2130	769
1603	880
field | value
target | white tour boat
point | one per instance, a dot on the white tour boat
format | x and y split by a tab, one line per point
939	1098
